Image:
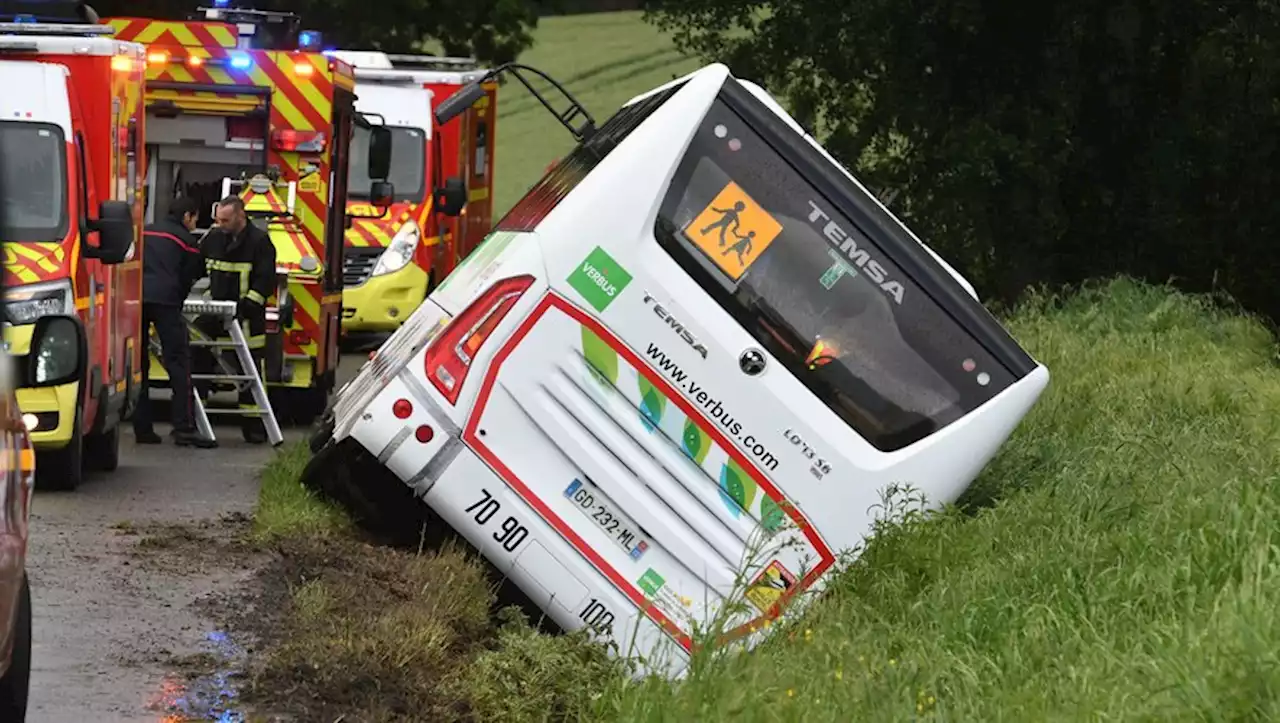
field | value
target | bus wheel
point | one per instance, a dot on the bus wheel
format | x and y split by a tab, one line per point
103	450
377	501
299	406
63	469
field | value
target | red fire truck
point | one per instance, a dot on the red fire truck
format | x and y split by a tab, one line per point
443	177
243	101
71	142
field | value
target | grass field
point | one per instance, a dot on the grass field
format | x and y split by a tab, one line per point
1117	560
604	59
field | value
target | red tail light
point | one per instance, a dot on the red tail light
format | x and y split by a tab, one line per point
449	356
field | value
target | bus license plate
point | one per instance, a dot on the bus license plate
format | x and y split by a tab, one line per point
619	527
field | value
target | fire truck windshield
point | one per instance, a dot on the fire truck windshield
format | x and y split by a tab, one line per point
33	164
408	164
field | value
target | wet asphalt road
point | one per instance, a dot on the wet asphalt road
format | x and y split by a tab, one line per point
107	624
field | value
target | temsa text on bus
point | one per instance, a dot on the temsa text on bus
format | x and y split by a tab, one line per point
844	241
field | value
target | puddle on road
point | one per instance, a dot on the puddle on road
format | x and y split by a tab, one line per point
208	697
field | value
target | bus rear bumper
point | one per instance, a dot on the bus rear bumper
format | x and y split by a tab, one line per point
471	497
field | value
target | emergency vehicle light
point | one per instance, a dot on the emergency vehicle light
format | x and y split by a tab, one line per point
121	63
159	57
298	141
240	61
310	40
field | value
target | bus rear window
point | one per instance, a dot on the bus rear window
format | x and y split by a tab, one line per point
816	292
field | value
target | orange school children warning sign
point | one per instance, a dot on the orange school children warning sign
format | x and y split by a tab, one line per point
733	230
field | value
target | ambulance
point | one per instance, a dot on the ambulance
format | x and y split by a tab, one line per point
683	375
241	101
443	177
71	149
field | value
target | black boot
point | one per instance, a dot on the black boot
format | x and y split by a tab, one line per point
146	436
254	432
192	438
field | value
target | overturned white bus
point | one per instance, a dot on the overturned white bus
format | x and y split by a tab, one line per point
693	356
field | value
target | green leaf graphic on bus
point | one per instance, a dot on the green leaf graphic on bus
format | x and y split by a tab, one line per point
696	442
600	356
652	404
771	515
736	487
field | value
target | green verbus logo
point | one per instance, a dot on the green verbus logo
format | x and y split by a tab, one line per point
599	279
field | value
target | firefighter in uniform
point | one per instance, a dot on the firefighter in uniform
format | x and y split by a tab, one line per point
241	264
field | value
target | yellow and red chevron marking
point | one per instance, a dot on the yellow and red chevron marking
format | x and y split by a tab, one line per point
189	34
30	263
291	245
302	89
269	201
378	232
302	82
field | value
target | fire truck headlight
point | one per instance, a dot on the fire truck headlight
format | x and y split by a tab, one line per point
400	251
24	304
58	352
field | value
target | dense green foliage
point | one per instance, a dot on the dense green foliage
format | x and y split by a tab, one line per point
1039	142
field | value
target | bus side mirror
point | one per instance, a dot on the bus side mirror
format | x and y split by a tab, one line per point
452	197
59	352
382	193
379	152
115	232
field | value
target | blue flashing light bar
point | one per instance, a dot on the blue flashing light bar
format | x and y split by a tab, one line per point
24	18
309	40
240	61
221	3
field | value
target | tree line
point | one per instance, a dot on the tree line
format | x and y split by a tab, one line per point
1039	143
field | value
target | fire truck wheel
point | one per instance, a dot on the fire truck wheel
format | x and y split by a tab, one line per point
103	450
63	469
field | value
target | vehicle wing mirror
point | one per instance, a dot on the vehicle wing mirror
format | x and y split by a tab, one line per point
382	193
115	232
379	152
456	104
452	197
59	352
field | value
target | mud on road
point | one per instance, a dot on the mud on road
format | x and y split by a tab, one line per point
117	570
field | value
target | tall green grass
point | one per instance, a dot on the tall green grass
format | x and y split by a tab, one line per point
1119	560
603	59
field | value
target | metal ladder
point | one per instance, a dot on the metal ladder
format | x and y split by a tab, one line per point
246	374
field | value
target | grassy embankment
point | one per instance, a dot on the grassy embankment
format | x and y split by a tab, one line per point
604	59
1118	559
